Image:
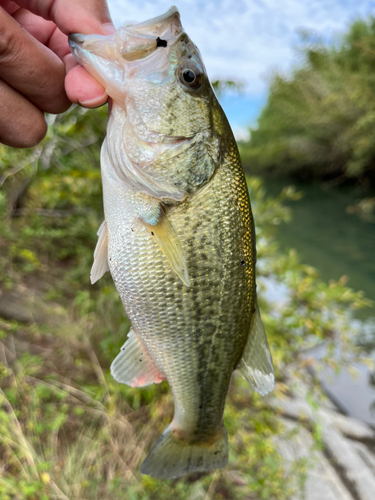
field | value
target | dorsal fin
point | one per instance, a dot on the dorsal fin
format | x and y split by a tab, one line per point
133	366
100	265
256	361
167	239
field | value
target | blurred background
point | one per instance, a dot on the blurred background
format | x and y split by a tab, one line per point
297	82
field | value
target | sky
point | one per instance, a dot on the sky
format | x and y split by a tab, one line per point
248	40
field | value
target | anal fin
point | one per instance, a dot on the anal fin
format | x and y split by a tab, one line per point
256	361
167	239
133	366
100	265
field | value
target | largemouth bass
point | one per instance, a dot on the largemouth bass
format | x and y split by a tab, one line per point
178	236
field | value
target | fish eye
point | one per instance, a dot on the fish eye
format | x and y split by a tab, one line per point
190	76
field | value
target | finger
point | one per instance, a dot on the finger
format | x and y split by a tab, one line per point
30	67
38	27
9	6
22	125
80	86
83	89
84	16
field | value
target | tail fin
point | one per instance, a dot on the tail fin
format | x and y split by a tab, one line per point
172	457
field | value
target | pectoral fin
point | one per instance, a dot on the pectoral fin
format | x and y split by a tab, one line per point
167	239
256	361
133	366
100	265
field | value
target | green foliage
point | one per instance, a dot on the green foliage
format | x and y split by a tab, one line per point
365	209
67	429
320	121
221	86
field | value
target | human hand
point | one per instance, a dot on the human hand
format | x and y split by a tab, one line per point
34	58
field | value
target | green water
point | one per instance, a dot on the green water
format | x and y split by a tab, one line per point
336	243
328	238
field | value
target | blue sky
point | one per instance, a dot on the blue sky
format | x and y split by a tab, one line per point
247	40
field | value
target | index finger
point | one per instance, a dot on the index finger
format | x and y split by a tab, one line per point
70	16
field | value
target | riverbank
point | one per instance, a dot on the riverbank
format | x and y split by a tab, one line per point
339	449
340	245
327	237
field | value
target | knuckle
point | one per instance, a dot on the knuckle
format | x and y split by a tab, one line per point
9	45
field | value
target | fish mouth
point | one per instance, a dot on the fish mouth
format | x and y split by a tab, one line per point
106	57
166	26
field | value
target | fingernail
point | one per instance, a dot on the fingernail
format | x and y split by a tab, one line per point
109	29
94	103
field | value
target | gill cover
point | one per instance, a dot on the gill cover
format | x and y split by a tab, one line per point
151	71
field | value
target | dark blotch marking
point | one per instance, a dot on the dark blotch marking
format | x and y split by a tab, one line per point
152	232
132	229
161	43
242	263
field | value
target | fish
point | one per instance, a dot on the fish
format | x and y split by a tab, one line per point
178	236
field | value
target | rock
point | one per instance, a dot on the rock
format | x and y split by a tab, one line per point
345	468
323	482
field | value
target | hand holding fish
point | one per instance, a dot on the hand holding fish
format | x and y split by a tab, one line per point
34	60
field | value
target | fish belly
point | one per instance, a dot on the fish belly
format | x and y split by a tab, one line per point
195	335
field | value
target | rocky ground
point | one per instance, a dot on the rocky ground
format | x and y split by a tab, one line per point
343	467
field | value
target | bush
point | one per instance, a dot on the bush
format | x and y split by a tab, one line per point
319	121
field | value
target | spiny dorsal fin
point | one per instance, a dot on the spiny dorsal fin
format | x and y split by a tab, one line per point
133	366
256	361
100	265
167	239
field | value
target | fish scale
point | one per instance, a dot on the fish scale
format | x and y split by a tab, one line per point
212	316
178	237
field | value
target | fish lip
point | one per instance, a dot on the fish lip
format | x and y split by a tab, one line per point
76	39
99	45
171	12
159	26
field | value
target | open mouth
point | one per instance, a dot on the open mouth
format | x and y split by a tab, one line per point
111	58
130	43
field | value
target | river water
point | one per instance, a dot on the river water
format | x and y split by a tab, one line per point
336	243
